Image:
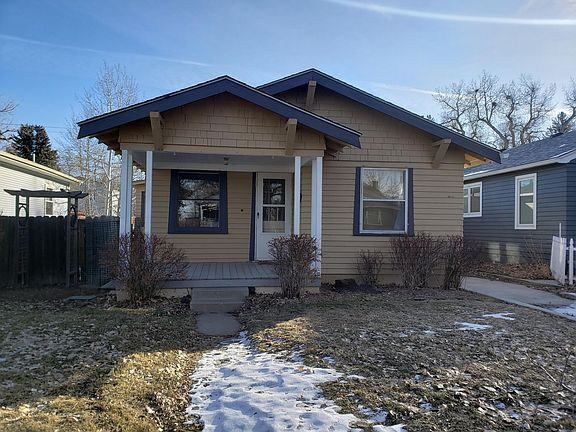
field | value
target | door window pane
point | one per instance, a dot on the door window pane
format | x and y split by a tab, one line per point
274	220
274	191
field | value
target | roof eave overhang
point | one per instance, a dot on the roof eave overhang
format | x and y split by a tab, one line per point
97	125
538	164
371	101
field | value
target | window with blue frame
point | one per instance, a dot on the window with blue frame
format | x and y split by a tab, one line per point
198	202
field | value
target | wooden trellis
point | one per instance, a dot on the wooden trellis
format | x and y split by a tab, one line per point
21	238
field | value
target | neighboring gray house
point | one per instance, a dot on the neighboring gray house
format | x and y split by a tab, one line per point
517	206
18	173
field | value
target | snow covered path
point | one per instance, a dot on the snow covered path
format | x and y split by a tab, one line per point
237	388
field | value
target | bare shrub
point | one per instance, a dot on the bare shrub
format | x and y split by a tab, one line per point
416	257
142	263
460	257
369	264
533	251
293	258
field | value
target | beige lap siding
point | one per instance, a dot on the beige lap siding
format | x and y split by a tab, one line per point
386	143
233	246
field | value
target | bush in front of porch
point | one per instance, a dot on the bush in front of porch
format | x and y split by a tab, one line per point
294	259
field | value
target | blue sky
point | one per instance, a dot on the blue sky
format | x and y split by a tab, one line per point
399	50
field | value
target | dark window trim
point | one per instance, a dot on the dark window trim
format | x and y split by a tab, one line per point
409	207
173	227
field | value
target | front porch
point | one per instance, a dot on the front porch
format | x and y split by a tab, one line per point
222	210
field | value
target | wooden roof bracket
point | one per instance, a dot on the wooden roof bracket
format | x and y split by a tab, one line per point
291	125
441	151
157	124
310	93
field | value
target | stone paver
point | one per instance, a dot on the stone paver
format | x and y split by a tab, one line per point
217	324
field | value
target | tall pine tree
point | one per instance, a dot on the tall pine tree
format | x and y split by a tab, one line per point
31	142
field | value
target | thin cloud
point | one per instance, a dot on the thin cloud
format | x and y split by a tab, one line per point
405	88
388	10
101	52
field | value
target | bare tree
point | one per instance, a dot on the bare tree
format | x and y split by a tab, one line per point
86	158
503	114
7	107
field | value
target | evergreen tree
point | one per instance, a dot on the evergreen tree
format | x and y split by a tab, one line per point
31	142
561	124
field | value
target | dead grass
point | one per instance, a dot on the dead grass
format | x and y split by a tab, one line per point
412	362
94	366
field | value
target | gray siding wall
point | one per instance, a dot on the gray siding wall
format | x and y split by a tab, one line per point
495	228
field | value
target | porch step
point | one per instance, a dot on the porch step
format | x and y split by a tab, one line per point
222	299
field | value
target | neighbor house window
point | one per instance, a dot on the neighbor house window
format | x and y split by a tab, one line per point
49	205
383	201
473	200
525	202
198	202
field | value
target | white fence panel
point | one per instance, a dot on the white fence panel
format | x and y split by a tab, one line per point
558	259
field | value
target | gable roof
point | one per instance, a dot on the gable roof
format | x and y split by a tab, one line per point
302	78
556	149
24	165
224	84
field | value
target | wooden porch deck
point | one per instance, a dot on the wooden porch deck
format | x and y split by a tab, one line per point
227	274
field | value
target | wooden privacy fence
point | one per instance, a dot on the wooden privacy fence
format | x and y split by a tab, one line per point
46	252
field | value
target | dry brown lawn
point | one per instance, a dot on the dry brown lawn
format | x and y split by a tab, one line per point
410	360
95	366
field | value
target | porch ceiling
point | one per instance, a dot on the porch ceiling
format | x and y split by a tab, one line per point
173	160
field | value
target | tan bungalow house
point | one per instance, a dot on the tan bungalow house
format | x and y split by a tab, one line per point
230	166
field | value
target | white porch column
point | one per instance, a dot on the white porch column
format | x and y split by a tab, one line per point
316	216
126	193
297	181
148	193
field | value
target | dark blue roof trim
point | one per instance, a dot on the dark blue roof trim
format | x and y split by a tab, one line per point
224	84
374	102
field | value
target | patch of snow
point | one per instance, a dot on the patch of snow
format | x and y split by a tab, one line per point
237	388
382	428
355	377
501	315
426	406
567	310
471	326
429	332
373	416
328	360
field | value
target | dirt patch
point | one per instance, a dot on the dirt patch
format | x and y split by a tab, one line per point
517	271
434	360
92	366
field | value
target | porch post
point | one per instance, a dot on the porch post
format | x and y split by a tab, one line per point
148	193
126	193
316	216
297	178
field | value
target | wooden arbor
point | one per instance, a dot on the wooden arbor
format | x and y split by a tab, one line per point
21	237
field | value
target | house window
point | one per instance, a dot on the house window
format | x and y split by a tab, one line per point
49	205
525	202
473	200
383	201
198	202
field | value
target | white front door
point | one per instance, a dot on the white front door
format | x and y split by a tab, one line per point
273	210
